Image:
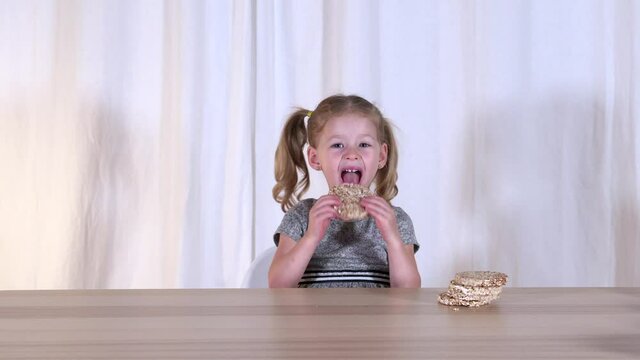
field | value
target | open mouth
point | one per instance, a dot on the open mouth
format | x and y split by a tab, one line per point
351	176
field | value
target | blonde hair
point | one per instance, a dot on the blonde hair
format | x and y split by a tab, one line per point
290	161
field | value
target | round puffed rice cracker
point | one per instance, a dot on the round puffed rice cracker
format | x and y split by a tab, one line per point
446	299
480	278
456	288
350	195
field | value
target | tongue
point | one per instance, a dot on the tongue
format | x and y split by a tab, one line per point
351	178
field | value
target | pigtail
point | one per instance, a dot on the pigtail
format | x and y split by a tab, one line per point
290	160
387	177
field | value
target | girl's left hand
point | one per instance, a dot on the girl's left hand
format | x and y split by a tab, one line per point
383	214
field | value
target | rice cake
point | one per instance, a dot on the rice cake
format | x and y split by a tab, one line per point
456	288
480	278
446	299
350	195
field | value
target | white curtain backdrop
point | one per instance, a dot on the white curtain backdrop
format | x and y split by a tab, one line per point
137	137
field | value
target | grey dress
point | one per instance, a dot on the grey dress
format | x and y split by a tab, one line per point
351	254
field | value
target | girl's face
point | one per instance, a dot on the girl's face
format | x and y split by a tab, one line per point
348	151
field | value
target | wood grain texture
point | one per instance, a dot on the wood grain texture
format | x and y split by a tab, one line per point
536	323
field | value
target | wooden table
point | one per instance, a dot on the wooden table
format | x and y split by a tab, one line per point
552	323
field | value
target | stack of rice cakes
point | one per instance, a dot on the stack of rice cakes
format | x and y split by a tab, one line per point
473	288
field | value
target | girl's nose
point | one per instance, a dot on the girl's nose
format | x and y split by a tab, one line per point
352	154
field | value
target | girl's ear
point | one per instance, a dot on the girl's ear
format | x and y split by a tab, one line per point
384	152
312	154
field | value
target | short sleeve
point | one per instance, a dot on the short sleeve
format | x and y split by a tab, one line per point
295	221
405	227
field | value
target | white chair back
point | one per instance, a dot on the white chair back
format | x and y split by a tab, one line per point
258	274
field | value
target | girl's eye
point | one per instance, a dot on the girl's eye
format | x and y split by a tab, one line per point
337	146
364	145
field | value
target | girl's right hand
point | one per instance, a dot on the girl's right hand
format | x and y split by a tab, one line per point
321	214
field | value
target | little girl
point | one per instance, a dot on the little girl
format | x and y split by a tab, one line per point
350	142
